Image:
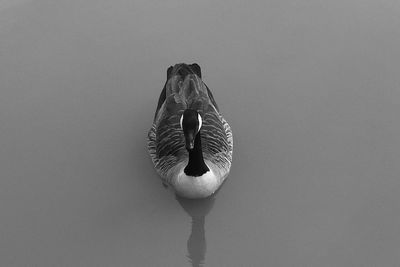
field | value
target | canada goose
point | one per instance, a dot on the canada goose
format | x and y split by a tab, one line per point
190	143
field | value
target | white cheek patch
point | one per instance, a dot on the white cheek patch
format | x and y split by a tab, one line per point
180	121
200	121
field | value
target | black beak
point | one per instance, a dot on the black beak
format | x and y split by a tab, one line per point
189	140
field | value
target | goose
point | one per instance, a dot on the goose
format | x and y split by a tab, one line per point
190	143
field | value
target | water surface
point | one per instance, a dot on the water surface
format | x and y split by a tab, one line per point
310	88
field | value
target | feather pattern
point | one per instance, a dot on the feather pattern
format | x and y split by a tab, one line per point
183	90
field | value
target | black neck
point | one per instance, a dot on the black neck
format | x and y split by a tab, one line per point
196	165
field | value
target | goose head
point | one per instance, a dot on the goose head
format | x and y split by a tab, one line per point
190	123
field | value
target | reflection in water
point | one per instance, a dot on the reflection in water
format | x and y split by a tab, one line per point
196	244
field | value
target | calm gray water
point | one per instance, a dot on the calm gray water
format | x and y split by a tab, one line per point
310	88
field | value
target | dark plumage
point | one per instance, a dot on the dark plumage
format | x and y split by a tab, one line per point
193	160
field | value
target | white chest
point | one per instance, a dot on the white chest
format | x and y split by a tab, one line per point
196	187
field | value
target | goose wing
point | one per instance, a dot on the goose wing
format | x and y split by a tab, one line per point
165	136
217	138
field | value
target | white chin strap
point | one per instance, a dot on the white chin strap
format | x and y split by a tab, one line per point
198	118
200	121
180	121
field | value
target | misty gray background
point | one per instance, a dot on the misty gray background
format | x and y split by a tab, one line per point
310	88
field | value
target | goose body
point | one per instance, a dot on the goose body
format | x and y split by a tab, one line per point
190	143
